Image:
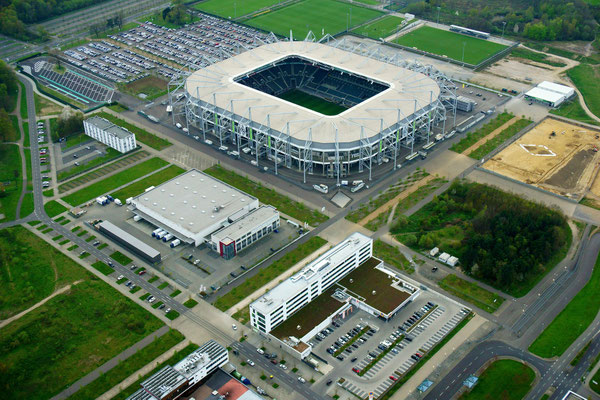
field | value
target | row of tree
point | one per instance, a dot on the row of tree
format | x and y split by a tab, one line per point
536	20
502	239
8	97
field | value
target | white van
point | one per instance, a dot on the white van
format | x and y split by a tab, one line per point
178	125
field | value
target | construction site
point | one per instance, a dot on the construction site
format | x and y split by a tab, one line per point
557	156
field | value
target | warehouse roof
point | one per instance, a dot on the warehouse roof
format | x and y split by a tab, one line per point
142	247
245	224
195	201
546	95
556	87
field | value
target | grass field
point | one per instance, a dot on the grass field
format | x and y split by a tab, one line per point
151	86
269	273
500	138
153	180
503	379
141	135
125	368
450	44
381	28
283	203
121	258
312	102
523	53
392	256
471	292
573	110
53	208
319	16
587	79
11	181
233	8
475	136
572	321
68	337
595	382
30	270
113	182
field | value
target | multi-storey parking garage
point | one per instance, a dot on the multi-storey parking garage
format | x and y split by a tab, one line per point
369	106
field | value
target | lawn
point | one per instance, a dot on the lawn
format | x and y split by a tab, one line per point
523	53
450	44
469	221
500	138
44	107
151	86
119	179
233	8
30	270
381	28
267	274
10	180
102	267
23	106
27	206
572	321
141	135
595	382
153	180
53	208
587	79
475	136
573	110
503	379
471	292
392	256
125	368
121	258
319	16
265	195
311	102
68	337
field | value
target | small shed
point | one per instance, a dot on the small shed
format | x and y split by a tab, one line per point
444	257
434	252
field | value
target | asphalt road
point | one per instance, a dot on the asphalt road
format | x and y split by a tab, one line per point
453	381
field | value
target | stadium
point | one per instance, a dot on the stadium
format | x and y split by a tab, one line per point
321	108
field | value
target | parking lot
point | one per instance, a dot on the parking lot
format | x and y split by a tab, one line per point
80	154
386	350
195	268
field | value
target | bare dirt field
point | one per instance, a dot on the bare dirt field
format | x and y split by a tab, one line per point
555	156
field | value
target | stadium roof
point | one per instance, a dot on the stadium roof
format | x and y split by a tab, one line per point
408	90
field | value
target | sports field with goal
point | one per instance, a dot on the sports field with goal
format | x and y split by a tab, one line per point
319	16
312	102
450	44
234	8
381	28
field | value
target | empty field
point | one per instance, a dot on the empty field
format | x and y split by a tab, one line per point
381	28
319	16
233	8
503	379
151	86
554	155
311	102
450	44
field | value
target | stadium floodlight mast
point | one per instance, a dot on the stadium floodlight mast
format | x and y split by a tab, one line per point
503	26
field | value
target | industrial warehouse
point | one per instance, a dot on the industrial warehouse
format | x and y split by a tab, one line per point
345	277
197	209
383	106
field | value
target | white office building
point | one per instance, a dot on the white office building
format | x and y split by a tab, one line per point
110	134
199	209
300	289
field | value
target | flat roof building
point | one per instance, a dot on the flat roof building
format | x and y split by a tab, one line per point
346	276
110	134
197	208
551	94
172	381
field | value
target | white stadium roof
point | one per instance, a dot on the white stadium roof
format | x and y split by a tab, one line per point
407	89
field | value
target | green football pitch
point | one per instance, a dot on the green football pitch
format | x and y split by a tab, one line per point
312	102
381	28
450	44
233	8
319	16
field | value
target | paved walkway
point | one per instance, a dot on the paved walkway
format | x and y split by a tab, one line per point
38	304
107	366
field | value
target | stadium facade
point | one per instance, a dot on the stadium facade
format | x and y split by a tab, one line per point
387	104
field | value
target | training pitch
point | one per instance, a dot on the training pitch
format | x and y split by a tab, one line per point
319	16
381	28
450	44
234	8
555	156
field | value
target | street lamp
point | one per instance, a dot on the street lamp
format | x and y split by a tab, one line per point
438	18
503	25
463	54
